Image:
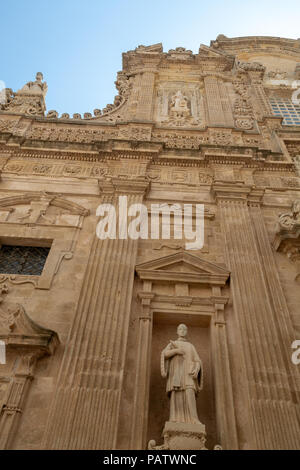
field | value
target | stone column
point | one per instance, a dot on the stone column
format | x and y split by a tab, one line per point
85	409
271	404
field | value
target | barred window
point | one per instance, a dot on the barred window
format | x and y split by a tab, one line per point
286	109
27	260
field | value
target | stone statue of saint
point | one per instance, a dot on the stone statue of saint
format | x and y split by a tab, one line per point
179	105
182	367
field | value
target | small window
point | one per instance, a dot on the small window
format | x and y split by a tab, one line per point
288	110
26	260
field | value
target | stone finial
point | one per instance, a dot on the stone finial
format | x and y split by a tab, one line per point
38	87
52	114
30	99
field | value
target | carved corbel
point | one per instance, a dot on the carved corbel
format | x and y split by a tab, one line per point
287	237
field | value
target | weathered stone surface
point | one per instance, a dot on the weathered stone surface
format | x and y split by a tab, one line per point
184	129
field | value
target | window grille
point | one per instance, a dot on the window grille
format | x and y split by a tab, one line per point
285	108
27	260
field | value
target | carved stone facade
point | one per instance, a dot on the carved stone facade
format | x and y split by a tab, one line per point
184	129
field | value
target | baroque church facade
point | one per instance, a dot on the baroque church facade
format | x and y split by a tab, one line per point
83	320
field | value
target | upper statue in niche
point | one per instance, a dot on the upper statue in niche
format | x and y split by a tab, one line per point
179	106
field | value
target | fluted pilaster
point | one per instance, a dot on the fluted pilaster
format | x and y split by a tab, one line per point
271	398
85	410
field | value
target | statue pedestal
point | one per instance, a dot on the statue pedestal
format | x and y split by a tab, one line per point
182	436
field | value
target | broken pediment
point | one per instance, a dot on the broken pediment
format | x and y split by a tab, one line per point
210	52
183	267
40	208
17	329
154	48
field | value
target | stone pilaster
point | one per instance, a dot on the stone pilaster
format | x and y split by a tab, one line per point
271	404
281	318
142	380
225	414
261	99
226	106
85	409
145	104
218	106
13	407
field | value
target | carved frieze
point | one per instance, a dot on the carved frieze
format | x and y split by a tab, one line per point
180	141
290	182
221	137
138	133
69	134
13	126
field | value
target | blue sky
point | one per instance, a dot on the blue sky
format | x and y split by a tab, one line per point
78	44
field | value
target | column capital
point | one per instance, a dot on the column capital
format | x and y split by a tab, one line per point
124	185
237	192
146	297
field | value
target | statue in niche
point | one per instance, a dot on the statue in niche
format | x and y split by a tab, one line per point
182	367
179	106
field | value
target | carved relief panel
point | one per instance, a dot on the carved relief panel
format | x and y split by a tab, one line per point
179	104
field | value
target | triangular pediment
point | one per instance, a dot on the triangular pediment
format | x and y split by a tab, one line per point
183	267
